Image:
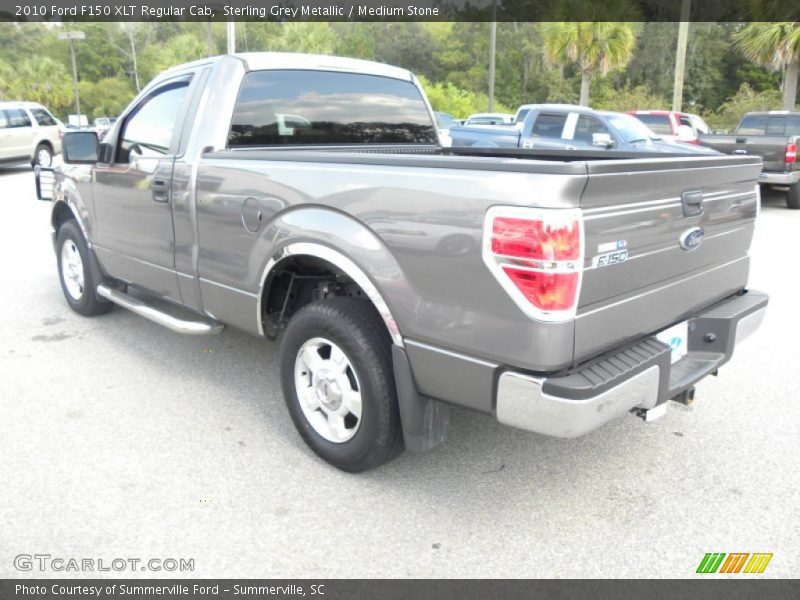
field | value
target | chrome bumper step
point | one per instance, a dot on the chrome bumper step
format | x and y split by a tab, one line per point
194	326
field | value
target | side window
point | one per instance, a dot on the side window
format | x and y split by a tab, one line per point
699	125
296	107
3	120
149	127
17	118
658	123
752	125
43	118
586	128
776	125
685	121
549	126
792	125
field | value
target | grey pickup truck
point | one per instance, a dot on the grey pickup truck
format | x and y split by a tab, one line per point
570	127
773	136
307	199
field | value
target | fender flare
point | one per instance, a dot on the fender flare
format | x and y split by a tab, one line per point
341	262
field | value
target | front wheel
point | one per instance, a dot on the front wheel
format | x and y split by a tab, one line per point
338	383
77	280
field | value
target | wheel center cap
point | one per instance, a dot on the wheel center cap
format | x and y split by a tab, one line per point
328	391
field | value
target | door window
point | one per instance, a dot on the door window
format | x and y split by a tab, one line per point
3	120
17	118
549	126
149	128
586	128
776	125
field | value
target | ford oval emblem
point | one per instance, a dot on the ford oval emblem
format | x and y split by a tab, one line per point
692	238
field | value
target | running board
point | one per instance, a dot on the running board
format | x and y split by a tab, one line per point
197	326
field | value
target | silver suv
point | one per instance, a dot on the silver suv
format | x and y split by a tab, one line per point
28	133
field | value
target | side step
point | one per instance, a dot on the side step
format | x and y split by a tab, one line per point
197	326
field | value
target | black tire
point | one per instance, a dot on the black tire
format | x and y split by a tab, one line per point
86	303
42	148
359	331
793	196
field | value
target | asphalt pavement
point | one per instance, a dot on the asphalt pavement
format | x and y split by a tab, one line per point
120	439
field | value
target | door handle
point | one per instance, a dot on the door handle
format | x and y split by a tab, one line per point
160	191
739	152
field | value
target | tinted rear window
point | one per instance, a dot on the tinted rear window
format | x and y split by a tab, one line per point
43	118
753	125
657	123
320	107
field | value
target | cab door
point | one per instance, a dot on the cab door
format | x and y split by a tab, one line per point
135	237
17	135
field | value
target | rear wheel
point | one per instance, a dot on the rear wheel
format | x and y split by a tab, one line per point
77	280
338	383
793	196
43	157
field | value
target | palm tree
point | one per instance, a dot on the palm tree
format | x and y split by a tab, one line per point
776	46
595	47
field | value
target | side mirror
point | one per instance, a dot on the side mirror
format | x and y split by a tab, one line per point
686	134
79	147
602	139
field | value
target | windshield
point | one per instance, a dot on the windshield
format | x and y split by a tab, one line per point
630	128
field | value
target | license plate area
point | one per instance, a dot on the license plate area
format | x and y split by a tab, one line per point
677	338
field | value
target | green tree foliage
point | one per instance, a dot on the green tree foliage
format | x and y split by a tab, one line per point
446	97
775	45
745	100
595	48
452	57
640	97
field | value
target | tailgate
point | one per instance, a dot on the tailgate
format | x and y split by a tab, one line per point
771	148
638	278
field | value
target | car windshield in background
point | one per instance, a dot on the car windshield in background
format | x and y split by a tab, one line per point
630	128
657	123
296	107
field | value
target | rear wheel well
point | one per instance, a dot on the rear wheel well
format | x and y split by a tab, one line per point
297	281
45	143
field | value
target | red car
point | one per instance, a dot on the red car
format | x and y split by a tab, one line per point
673	126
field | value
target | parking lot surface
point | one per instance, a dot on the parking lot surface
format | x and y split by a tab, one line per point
120	439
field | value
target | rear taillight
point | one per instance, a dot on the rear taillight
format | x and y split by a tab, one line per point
791	153
537	256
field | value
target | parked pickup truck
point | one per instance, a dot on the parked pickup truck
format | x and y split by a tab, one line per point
773	136
554	291
570	127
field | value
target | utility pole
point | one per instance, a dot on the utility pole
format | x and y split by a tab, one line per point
231	37
71	36
492	53
680	56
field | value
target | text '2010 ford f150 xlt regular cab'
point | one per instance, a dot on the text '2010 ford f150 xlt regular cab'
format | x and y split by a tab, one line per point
308	197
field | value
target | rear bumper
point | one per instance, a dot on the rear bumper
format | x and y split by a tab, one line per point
784	178
639	375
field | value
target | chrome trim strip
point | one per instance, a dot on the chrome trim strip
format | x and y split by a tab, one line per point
522	403
341	262
667	203
450	353
658	289
176	324
227	287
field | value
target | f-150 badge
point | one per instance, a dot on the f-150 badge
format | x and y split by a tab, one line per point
611	253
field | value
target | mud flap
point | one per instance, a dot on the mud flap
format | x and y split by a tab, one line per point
424	420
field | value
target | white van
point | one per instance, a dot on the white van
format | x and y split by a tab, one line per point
28	133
